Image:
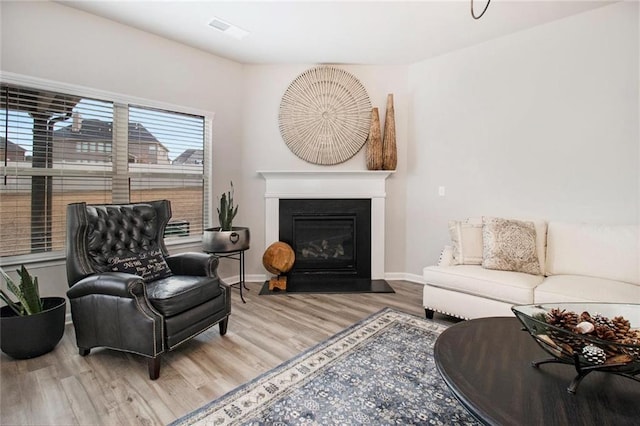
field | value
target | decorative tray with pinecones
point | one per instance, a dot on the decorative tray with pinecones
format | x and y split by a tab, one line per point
590	336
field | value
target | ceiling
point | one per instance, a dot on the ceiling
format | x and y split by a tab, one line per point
336	32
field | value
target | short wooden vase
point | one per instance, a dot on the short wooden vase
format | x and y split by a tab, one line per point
374	143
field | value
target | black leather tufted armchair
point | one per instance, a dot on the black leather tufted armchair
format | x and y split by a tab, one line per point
152	310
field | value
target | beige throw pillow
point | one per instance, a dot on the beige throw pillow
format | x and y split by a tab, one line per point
466	240
510	245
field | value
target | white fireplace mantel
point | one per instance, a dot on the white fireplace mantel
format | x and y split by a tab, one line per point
329	184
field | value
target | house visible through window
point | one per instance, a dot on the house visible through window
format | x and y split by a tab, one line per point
58	148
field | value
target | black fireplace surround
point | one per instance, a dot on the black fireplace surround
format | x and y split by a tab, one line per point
331	239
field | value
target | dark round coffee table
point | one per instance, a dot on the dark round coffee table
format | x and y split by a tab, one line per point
487	364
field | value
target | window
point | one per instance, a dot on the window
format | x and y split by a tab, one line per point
169	151
58	148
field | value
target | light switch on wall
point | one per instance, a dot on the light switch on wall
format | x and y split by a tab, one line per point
441	191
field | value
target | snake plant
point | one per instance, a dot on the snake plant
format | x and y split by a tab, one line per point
227	211
27	292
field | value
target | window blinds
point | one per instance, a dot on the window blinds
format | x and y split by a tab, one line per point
54	149
166	160
58	148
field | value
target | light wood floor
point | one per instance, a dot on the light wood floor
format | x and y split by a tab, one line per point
113	388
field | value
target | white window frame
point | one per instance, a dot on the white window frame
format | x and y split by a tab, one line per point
57	257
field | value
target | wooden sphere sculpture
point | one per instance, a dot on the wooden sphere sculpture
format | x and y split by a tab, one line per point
278	259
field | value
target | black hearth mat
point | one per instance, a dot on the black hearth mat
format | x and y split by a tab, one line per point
359	285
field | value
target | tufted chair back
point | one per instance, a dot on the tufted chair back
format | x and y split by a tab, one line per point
97	233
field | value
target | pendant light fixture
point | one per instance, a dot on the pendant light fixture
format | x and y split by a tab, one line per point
473	14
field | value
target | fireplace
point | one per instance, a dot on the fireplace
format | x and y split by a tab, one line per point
331	239
330	184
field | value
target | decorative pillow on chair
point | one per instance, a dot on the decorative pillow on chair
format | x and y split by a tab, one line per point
150	265
510	245
466	238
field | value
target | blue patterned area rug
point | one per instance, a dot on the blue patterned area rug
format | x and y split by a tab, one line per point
378	371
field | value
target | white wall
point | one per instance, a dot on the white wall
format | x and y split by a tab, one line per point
54	42
264	149
541	123
105	55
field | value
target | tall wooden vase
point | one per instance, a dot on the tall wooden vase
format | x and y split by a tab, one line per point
374	143
389	150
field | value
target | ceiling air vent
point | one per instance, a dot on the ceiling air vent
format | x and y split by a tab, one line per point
228	29
219	25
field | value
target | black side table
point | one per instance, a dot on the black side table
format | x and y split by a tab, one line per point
239	256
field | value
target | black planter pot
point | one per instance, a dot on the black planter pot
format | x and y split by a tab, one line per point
30	336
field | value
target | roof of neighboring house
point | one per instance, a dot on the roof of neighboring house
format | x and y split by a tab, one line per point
11	147
190	156
92	129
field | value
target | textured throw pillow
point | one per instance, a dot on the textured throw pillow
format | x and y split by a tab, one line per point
510	245
466	240
149	265
541	238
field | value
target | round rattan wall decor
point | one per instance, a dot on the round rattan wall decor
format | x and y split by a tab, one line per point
325	115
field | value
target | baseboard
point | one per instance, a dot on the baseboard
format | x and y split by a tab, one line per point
404	276
250	278
398	276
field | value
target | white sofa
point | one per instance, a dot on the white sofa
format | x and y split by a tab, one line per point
579	262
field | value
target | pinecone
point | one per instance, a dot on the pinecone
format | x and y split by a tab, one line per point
594	354
622	327
605	333
634	352
634	333
562	318
586	316
600	319
567	321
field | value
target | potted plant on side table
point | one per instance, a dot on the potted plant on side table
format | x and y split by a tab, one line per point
33	325
226	237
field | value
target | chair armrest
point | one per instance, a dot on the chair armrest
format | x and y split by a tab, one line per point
108	283
193	263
